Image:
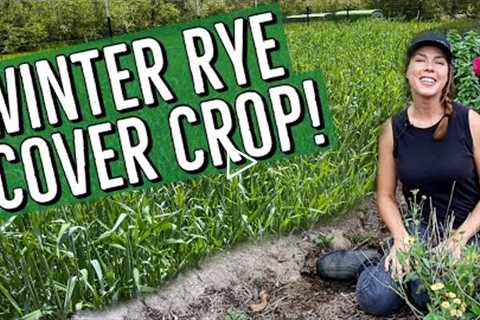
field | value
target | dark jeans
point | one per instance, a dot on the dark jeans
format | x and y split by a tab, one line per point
376	287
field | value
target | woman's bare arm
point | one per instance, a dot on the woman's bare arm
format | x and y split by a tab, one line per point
472	225
387	204
387	183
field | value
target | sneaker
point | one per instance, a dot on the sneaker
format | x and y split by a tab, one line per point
345	265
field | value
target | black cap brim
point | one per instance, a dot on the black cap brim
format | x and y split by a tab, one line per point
431	39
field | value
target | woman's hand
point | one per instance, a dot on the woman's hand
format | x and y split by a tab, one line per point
453	246
393	263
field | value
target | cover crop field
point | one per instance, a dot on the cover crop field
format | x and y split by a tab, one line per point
89	256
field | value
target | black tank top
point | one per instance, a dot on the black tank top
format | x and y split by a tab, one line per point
441	170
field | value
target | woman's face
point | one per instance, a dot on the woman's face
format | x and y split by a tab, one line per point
427	72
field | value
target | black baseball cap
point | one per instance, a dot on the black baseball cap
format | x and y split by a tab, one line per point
431	38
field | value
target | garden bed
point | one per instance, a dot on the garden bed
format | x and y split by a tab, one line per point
225	286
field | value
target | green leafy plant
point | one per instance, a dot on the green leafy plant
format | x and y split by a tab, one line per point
452	285
465	49
233	314
323	241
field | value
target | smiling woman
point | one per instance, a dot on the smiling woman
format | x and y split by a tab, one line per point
431	147
428	71
430	76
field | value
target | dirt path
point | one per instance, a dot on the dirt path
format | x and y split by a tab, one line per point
226	285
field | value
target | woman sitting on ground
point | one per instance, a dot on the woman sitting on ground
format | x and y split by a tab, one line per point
432	146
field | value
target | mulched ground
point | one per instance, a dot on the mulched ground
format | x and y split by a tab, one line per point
225	286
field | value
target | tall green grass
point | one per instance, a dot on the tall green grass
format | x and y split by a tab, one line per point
89	256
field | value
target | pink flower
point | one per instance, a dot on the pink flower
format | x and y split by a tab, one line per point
476	66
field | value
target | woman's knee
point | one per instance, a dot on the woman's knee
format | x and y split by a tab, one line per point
376	292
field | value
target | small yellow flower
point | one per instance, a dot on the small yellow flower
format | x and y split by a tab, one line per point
409	240
456	313
457	301
445	305
463	307
437	286
451	295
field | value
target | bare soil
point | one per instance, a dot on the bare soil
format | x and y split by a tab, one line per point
226	285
